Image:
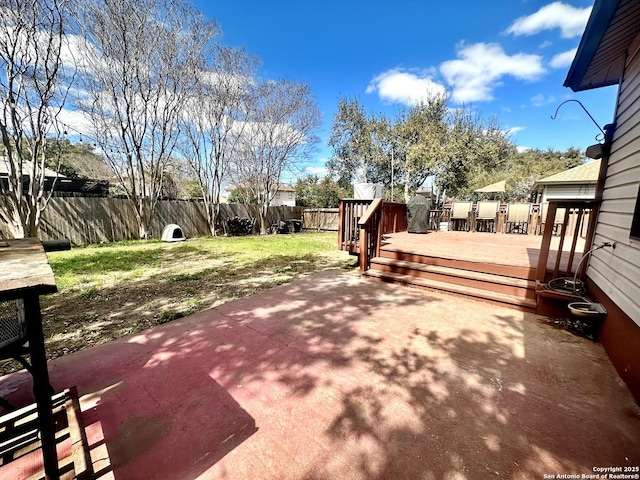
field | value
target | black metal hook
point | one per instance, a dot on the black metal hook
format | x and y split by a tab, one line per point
555	115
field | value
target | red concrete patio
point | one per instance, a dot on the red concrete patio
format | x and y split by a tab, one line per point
337	377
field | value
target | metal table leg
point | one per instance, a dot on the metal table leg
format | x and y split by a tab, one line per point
41	386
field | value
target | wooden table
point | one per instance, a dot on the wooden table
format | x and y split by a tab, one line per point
25	273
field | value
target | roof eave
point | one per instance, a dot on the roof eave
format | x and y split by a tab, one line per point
566	182
601	16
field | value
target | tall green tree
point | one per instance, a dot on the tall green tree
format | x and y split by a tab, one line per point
427	139
421	135
325	192
357	143
473	143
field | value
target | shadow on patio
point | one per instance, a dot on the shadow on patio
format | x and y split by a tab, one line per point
334	376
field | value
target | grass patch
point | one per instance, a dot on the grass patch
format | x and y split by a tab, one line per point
89	293
108	291
75	267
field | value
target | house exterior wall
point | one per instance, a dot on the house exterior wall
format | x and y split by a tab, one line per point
563	192
615	273
284	199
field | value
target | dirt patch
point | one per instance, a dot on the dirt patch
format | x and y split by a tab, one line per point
581	328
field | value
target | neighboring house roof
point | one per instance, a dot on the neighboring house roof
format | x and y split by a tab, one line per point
587	173
58	182
283	187
600	59
500	186
26	167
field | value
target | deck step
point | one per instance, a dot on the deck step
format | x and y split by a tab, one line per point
517	301
484	267
470	278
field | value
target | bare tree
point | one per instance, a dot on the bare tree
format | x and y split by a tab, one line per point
214	120
33	89
141	59
280	131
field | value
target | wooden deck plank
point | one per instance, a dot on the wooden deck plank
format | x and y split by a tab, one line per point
499	249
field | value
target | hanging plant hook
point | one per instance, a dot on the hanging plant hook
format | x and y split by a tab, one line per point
555	115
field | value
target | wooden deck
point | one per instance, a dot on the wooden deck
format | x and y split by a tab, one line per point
490	248
504	268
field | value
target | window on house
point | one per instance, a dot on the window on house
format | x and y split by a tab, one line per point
278	195
635	223
290	196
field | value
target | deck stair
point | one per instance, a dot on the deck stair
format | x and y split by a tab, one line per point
501	284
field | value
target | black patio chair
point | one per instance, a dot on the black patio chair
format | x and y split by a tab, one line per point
13	339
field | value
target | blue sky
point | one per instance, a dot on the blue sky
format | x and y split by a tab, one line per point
503	58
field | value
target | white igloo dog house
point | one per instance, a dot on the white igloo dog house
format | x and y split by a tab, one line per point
173	233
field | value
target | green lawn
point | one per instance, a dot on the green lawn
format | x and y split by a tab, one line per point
108	264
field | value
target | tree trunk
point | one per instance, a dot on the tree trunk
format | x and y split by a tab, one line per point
264	209
212	211
144	219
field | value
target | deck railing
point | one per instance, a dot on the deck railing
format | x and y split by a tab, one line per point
533	225
394	217
568	233
349	213
363	222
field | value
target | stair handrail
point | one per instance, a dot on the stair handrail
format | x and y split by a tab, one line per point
370	234
581	208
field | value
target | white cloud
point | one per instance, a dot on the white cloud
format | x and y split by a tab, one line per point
522	149
76	121
514	130
479	68
399	86
540	100
570	20
316	170
564	59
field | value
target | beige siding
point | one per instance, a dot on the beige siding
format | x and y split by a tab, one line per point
286	198
617	272
559	192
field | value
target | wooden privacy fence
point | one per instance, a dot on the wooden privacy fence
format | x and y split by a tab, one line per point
85	220
320	219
